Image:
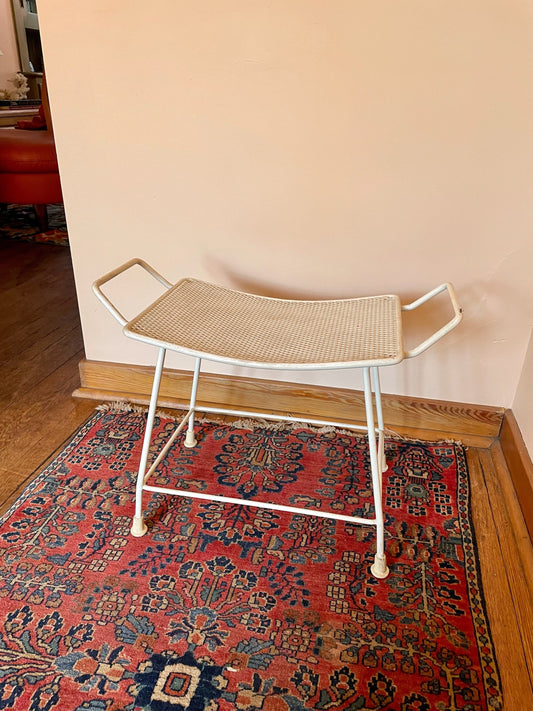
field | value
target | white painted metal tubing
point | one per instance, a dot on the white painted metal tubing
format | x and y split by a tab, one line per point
114	273
260	505
376	474
167	446
382	464
281	418
377	396
190	439
148	432
442	331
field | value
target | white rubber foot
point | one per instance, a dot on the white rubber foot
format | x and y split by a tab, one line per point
190	440
138	527
379	568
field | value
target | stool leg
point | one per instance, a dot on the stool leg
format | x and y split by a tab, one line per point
379	568
381	445
190	439
138	527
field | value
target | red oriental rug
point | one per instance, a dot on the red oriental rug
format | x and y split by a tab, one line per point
225	607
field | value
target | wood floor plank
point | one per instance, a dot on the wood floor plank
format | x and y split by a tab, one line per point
514	539
10	482
41	419
28	333
20	264
43	267
501	607
40	360
24	319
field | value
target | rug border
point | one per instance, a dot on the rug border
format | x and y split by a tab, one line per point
476	595
492	680
41	471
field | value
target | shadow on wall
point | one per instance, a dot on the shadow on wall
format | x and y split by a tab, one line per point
418	326
224	274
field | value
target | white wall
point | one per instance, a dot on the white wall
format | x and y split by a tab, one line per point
523	401
310	149
9	60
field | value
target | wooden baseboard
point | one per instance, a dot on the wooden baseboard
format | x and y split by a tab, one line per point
474	425
519	465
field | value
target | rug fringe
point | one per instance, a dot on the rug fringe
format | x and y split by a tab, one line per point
247	423
253	423
121	406
126	406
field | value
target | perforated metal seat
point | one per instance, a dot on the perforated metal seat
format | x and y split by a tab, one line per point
213	322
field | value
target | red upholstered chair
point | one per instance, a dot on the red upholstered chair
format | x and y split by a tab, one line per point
29	173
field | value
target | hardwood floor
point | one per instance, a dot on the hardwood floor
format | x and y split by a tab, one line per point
40	348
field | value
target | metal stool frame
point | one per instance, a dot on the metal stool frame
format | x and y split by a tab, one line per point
159	325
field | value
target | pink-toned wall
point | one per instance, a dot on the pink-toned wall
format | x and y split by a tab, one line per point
9	60
304	148
523	401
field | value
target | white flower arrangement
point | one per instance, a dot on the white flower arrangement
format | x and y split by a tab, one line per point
19	91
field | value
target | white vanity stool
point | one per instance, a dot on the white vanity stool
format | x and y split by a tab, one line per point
215	323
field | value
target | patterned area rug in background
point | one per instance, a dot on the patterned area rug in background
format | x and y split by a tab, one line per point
225	607
18	222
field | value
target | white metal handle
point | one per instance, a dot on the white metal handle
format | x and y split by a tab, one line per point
115	272
446	328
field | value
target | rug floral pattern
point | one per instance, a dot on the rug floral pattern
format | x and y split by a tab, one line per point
225	607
